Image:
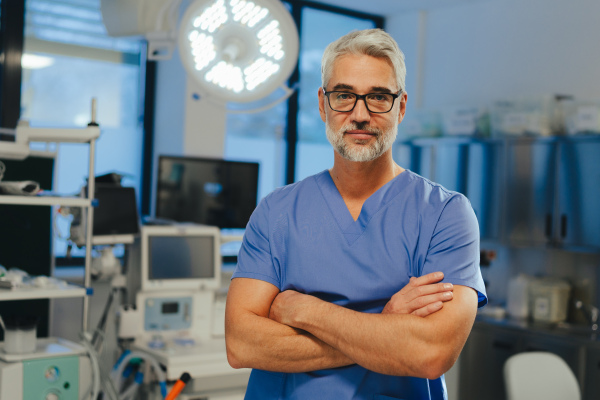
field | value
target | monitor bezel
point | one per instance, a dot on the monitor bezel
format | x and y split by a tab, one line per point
211	283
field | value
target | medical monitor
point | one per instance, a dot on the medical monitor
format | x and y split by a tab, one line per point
116	217
206	191
180	257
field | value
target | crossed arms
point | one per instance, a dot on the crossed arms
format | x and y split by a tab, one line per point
420	332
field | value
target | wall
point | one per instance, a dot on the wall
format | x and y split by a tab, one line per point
478	52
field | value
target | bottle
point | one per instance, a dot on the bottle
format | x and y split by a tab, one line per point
517	302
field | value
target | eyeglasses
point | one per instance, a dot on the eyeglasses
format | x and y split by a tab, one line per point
378	103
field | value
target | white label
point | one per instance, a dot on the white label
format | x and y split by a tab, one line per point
587	119
515	122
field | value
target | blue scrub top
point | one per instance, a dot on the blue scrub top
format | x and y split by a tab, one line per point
302	237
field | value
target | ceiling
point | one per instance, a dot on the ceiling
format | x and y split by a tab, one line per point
391	7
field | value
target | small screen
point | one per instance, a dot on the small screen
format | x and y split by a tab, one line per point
181	257
170	308
116	213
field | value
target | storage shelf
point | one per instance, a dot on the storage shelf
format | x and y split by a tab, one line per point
27	293
45	201
64	135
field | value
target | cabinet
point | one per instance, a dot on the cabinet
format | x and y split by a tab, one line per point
482	363
591	380
87	136
526	191
578	214
551	189
489	346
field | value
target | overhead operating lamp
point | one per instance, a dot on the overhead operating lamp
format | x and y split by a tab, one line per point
237	50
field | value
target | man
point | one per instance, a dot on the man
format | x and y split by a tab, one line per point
336	292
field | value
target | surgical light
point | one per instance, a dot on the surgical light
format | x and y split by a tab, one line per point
238	50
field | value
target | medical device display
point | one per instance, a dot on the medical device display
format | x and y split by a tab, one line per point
180	257
206	191
115	216
116	213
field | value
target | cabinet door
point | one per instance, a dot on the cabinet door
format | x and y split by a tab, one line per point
591	380
579	188
530	190
482	363
450	160
483	186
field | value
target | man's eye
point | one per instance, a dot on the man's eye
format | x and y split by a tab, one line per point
379	97
344	96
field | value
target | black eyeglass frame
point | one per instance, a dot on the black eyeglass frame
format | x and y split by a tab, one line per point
364	99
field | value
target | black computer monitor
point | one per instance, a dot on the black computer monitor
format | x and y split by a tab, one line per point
206	191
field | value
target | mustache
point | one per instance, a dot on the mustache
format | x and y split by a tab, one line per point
361	126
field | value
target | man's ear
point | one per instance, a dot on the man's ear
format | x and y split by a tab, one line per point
402	101
322	104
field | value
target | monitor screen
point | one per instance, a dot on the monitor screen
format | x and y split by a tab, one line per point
181	257
116	213
206	191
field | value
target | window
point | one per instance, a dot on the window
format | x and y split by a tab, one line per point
67	60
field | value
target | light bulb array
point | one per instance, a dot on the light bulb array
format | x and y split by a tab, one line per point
203	49
227	76
270	40
212	18
248	61
259	72
247	12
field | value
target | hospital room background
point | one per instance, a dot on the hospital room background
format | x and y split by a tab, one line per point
503	106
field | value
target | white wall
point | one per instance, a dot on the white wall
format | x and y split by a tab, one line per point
483	51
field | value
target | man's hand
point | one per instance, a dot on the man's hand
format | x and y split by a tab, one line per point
285	305
421	297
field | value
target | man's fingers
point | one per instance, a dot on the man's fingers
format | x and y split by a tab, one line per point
424	301
429	309
432	277
426	290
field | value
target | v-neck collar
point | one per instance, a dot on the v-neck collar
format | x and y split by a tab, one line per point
352	229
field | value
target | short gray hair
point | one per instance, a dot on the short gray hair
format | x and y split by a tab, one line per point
370	42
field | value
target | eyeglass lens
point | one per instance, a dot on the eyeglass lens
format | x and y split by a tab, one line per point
376	102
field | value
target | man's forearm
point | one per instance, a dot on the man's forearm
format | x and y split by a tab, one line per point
258	342
255	341
390	344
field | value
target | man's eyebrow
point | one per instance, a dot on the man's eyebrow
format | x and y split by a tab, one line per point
373	89
380	89
342	86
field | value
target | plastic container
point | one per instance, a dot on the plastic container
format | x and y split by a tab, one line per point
549	299
20	334
517	304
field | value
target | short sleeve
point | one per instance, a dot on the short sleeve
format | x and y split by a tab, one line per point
454	247
254	258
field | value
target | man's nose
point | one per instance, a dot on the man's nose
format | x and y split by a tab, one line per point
360	112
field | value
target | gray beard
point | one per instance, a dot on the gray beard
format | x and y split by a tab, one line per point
359	152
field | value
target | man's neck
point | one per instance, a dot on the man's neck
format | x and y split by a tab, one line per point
357	181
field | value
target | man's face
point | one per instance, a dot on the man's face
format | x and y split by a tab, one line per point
360	135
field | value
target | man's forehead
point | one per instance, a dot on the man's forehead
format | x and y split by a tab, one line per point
370	73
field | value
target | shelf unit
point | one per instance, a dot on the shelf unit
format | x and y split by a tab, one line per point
87	135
